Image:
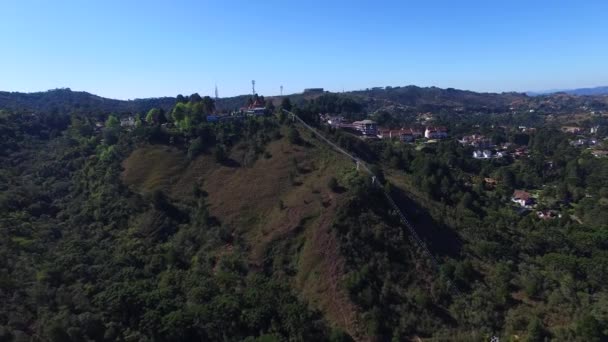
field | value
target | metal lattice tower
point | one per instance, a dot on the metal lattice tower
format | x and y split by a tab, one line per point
252	87
216	95
281	90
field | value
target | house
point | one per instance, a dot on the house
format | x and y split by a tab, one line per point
425	116
578	142
433	132
599	153
475	140
98	126
594	129
366	127
313	91
490	182
522	198
521	152
127	122
403	134
571	129
334	121
485	154
548	214
255	109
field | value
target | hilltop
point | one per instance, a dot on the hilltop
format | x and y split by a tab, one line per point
578	91
407	99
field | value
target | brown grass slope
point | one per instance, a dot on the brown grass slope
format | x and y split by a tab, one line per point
281	206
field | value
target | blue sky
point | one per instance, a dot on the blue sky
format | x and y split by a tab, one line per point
133	49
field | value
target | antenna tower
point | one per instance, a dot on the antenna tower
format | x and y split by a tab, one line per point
253	87
281	90
216	96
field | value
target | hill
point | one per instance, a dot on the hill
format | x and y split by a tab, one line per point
145	236
66	101
254	229
408	99
578	91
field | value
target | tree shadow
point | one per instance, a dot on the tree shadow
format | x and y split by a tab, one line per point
229	162
439	238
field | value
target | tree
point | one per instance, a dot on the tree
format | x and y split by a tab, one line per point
220	153
286	104
208	105
294	136
110	135
333	184
112	122
536	331
270	107
181	99
589	329
195	148
156	116
195	98
179	112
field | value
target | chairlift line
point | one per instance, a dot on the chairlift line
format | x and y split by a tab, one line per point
402	218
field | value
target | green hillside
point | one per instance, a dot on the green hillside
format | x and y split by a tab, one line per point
254	229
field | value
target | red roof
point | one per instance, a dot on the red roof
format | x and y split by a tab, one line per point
437	129
521	194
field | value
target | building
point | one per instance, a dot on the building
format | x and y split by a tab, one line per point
335	121
313	91
366	127
599	153
594	129
432	132
522	198
403	134
571	129
548	214
490	182
485	154
127	122
255	109
477	141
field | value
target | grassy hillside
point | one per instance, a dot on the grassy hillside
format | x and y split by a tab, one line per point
281	207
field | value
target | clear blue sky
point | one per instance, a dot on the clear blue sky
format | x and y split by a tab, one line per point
129	49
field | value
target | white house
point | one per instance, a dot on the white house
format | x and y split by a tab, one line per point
366	127
485	154
522	198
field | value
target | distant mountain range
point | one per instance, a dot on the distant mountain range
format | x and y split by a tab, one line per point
410	99
578	91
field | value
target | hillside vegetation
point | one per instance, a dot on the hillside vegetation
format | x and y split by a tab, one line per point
252	229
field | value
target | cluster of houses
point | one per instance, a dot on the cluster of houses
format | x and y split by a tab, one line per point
593	130
485	149
586	138
370	129
477	141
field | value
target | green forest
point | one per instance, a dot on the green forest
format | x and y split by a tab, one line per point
113	232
